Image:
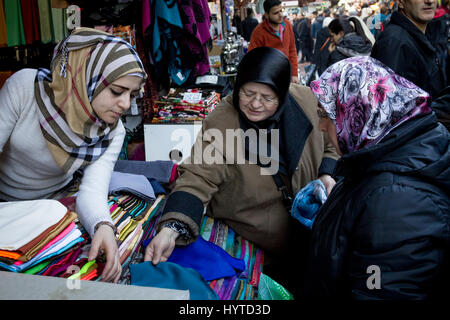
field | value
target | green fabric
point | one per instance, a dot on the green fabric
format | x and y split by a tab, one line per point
269	289
45	20
59	24
14	23
38	267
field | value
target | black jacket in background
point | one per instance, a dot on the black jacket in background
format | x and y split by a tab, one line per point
350	45
390	210
407	51
248	25
320	57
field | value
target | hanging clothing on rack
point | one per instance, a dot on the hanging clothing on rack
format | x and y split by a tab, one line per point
3	36
30	15
45	20
195	16
14	23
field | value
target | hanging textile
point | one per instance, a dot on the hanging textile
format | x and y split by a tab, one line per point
30	14
59	25
45	20
14	23
164	36
3	35
195	16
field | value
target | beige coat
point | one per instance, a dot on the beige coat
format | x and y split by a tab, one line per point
239	194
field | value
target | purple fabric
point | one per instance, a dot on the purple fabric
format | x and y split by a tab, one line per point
146	16
366	100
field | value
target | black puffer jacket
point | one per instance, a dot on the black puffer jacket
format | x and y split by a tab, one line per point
407	51
390	210
350	45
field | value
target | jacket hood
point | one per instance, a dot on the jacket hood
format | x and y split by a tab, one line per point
419	148
354	45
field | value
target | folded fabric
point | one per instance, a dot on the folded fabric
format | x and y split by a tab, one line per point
22	221
307	202
157	187
160	170
210	260
170	275
136	184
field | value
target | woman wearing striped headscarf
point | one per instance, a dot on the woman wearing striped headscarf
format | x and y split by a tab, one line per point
66	119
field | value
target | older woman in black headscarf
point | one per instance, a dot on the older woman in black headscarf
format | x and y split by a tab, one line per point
259	146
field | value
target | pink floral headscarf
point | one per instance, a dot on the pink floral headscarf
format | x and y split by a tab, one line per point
366	100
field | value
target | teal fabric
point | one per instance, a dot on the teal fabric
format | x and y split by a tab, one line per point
170	275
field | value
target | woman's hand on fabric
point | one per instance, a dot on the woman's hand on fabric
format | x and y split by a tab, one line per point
328	182
105	240
161	246
295	80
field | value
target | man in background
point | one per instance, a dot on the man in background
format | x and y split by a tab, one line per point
405	48
276	32
248	25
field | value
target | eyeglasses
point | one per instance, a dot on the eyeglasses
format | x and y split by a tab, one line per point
247	97
322	114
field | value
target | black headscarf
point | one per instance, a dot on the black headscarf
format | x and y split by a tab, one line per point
271	67
267	66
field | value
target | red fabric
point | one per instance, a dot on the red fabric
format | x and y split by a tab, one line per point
262	36
31	24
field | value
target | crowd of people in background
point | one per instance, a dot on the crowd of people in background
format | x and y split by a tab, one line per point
321	42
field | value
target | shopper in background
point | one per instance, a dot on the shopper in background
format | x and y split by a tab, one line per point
276	32
61	121
253	201
248	25
404	47
384	231
350	37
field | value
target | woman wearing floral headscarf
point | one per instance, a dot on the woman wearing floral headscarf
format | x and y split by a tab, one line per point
384	231
55	122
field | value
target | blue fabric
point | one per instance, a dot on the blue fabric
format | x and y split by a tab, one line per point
170	275
157	187
210	260
308	201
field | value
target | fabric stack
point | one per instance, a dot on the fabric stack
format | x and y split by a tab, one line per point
34	233
185	105
238	287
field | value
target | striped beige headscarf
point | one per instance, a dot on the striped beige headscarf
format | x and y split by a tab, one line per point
82	66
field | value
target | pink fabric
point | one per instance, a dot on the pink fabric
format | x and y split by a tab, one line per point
63	233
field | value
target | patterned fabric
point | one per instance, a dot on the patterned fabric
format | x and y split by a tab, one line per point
366	100
82	66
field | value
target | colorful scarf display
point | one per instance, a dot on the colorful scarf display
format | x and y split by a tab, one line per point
366	100
82	66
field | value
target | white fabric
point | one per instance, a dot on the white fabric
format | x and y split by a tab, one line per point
27	168
22	221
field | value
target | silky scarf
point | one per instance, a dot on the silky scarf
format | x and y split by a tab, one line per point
366	100
82	66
